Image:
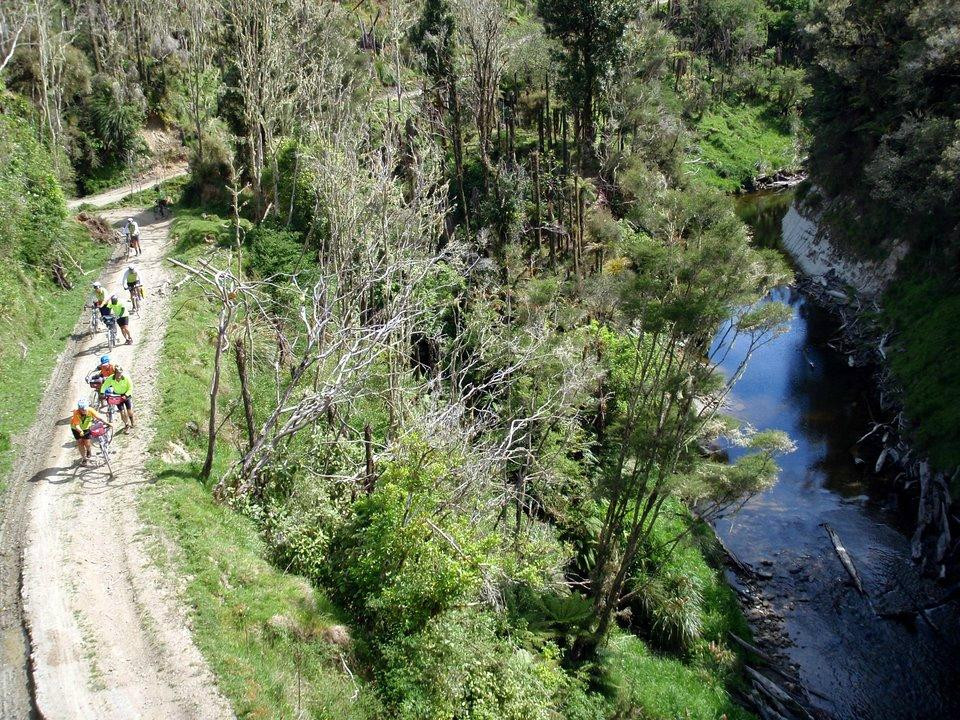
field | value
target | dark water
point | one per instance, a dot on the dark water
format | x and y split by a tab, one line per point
867	667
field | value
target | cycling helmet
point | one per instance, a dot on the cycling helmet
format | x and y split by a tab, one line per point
114	298
96	284
82	404
131	268
117	370
129	221
104	359
109	391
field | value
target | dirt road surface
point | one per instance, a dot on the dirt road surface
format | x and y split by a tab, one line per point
145	182
107	635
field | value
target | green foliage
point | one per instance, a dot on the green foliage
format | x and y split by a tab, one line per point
923	309
296	201
116	118
394	566
726	31
740	143
462	666
211	171
273	252
590	33
30	197
885	116
433	37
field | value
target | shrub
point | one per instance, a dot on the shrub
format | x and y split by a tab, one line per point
667	608
30	197
462	666
392	570
116	117
210	174
273	252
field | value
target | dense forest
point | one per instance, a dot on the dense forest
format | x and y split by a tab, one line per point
441	402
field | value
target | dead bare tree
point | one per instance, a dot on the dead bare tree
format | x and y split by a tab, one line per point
14	18
482	25
223	287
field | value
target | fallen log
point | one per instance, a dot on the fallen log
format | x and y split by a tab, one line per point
783	701
772	664
847	562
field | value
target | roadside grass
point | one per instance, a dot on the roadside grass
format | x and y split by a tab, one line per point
264	632
739	143
924	309
148	198
658	687
42	320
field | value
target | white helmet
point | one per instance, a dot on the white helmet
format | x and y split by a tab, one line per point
129	221
96	284
131	268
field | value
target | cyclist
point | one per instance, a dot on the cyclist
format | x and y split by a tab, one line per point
133	235
80	423
131	280
119	384
100	375
163	203
99	296
118	310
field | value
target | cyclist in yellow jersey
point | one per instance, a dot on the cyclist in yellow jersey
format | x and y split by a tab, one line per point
133	281
119	384
99	297
80	423
119	311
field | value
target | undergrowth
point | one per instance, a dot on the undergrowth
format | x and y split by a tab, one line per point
739	143
923	309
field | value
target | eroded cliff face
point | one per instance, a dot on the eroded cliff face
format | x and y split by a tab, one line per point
818	256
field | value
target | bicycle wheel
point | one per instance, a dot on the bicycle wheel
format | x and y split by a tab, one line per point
112	336
105	452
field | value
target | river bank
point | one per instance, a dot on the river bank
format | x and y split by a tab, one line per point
867	655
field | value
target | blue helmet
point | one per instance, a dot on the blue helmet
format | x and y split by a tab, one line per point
109	391
104	359
82	404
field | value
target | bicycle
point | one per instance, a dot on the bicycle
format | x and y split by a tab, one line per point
113	405
111	323
136	295
162	208
103	434
95	381
94	319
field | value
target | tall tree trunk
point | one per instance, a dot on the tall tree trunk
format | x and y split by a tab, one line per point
226	315
243	371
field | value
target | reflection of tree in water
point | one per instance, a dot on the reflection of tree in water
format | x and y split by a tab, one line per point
832	401
764	212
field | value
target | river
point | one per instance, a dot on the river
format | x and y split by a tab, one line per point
861	665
